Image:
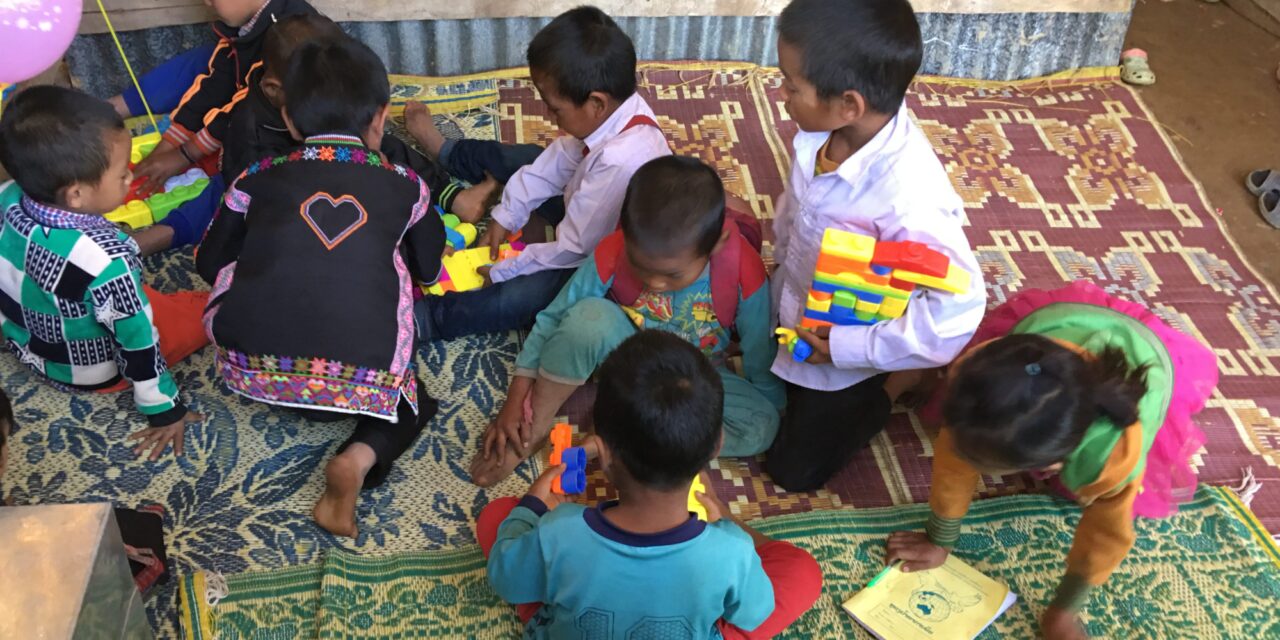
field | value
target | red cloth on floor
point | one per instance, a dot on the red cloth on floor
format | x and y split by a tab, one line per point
796	576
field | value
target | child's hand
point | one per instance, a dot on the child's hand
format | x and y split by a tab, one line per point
483	272
819	339
159	438
511	427
915	550
161	165
541	488
710	501
1061	624
494	235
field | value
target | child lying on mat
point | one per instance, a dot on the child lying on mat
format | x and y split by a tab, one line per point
678	264
72	303
1096	390
584	67
644	565
312	292
861	165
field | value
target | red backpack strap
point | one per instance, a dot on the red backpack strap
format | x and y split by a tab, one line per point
736	270
640	120
610	263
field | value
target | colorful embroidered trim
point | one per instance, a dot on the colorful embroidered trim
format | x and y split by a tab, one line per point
315	382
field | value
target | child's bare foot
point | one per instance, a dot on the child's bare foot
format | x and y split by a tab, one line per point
470	205
495	469
336	510
418	121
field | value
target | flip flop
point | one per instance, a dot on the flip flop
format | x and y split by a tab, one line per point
1269	207
1262	181
1134	68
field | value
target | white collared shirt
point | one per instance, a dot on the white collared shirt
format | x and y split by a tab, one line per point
593	187
894	188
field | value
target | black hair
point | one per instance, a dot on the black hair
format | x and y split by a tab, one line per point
1024	401
659	408
335	86
6	416
869	46
285	36
53	137
583	50
673	203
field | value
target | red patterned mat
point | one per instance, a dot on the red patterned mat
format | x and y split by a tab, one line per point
1063	179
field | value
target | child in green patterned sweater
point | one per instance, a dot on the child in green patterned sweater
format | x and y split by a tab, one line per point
72	303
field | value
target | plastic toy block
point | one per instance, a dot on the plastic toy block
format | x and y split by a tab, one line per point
458	272
458	234
827	319
817	304
574	478
843	299
192	176
957	280
910	256
849	245
695	505
810	323
864	306
163	203
799	349
142	146
893	307
135	215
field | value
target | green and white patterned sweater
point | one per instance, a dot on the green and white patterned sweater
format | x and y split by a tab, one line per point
73	309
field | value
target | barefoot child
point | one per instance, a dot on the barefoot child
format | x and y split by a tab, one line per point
584	67
678	265
643	565
72	303
860	165
1095	389
312	297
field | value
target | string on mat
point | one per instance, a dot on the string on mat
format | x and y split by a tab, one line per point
128	67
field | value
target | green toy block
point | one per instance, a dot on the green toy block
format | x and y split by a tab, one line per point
163	203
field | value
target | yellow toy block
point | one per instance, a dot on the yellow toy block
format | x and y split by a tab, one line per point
893	307
957	280
459	272
142	146
819	305
135	215
867	307
695	505
848	245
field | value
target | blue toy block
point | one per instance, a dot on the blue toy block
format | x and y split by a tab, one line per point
574	478
851	321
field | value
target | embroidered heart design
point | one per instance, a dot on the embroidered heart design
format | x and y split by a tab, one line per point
333	220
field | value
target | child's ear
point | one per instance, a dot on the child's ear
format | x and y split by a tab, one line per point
288	122
724	237
373	135
852	106
73	197
273	89
598	104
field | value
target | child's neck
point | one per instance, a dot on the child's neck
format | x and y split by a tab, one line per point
643	510
609	111
852	137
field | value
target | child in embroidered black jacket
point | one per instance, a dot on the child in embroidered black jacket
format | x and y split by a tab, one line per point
312	259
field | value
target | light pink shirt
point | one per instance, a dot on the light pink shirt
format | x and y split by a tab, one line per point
593	187
893	188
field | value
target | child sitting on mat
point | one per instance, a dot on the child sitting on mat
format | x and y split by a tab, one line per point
644	566
860	165
1096	390
678	264
312	302
584	67
72	303
198	125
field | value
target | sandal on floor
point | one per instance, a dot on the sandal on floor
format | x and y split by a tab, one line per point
1262	181
1134	68
1269	207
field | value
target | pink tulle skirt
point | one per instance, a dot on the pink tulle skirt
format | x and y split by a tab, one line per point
1170	478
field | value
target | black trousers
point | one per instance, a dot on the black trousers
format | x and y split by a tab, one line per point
388	441
822	430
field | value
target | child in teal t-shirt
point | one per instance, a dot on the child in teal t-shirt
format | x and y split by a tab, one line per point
677	264
644	566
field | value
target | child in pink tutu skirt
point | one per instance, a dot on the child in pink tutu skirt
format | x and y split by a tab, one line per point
1095	390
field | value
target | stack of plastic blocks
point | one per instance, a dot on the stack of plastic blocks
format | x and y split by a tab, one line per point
458	234
859	281
137	213
459	270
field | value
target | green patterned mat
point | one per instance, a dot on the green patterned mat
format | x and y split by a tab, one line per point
1209	572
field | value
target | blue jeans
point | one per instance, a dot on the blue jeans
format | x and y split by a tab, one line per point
502	306
166	84
190	219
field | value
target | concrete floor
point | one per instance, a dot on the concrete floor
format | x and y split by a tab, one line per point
1216	90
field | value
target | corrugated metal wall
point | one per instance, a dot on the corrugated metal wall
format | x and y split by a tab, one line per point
987	46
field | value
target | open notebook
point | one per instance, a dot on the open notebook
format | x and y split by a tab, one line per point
953	601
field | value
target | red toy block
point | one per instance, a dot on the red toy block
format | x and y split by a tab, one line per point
902	285
911	256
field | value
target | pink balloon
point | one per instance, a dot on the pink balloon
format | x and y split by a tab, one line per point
34	34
